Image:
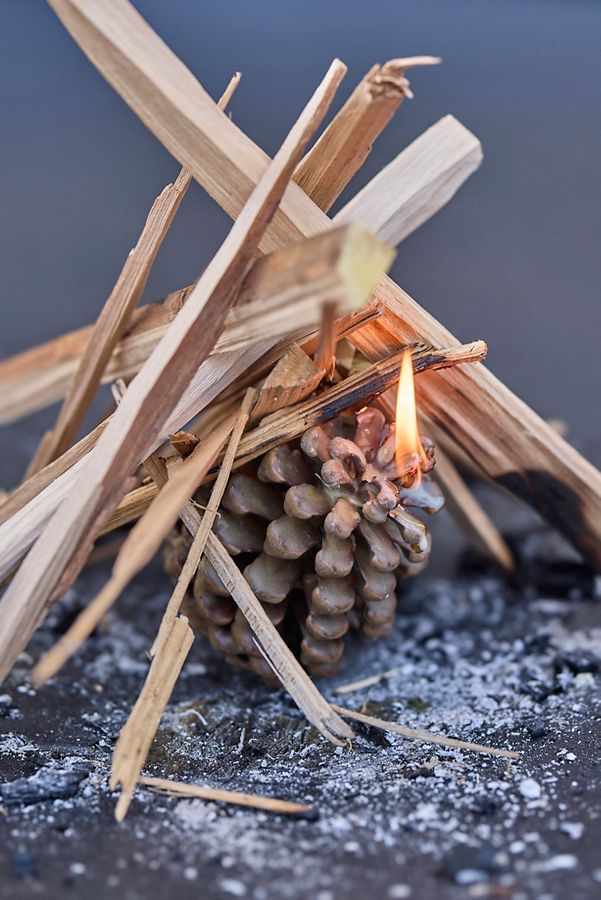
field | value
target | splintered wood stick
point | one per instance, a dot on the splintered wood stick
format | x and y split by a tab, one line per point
417	183
153	393
200	538
38	498
115	314
325	355
288	286
139	547
289	423
252	801
356	259
168	650
138	733
475	523
507	439
346	143
415	734
356	390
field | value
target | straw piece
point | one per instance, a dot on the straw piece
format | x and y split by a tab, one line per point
253	801
138	732
200	538
426	736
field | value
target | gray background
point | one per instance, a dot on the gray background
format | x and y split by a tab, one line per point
513	259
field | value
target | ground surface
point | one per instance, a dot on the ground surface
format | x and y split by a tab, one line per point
475	659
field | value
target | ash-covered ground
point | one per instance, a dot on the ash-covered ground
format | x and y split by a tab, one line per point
474	657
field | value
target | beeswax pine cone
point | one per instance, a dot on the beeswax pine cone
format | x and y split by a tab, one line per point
321	529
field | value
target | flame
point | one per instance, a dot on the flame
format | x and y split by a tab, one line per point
407	435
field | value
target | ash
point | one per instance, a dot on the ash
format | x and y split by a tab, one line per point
471	657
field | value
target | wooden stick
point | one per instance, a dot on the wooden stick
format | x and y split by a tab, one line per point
138	732
475	523
356	390
325	356
417	735
252	801
293	378
362	683
115	314
347	141
355	258
154	392
137	735
140	546
200	538
417	183
509	441
290	285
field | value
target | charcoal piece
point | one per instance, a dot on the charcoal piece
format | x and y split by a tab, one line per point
48	783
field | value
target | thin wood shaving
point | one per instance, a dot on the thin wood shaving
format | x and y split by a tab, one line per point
426	736
200	538
253	801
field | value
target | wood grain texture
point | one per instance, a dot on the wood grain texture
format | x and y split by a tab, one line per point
290	285
344	146
417	183
35	501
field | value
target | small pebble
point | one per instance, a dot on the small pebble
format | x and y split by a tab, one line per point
537	728
530	789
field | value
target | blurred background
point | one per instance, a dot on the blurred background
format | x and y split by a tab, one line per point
513	259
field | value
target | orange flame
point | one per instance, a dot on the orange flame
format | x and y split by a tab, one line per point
407	435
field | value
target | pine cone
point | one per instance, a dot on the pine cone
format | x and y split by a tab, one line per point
321	531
